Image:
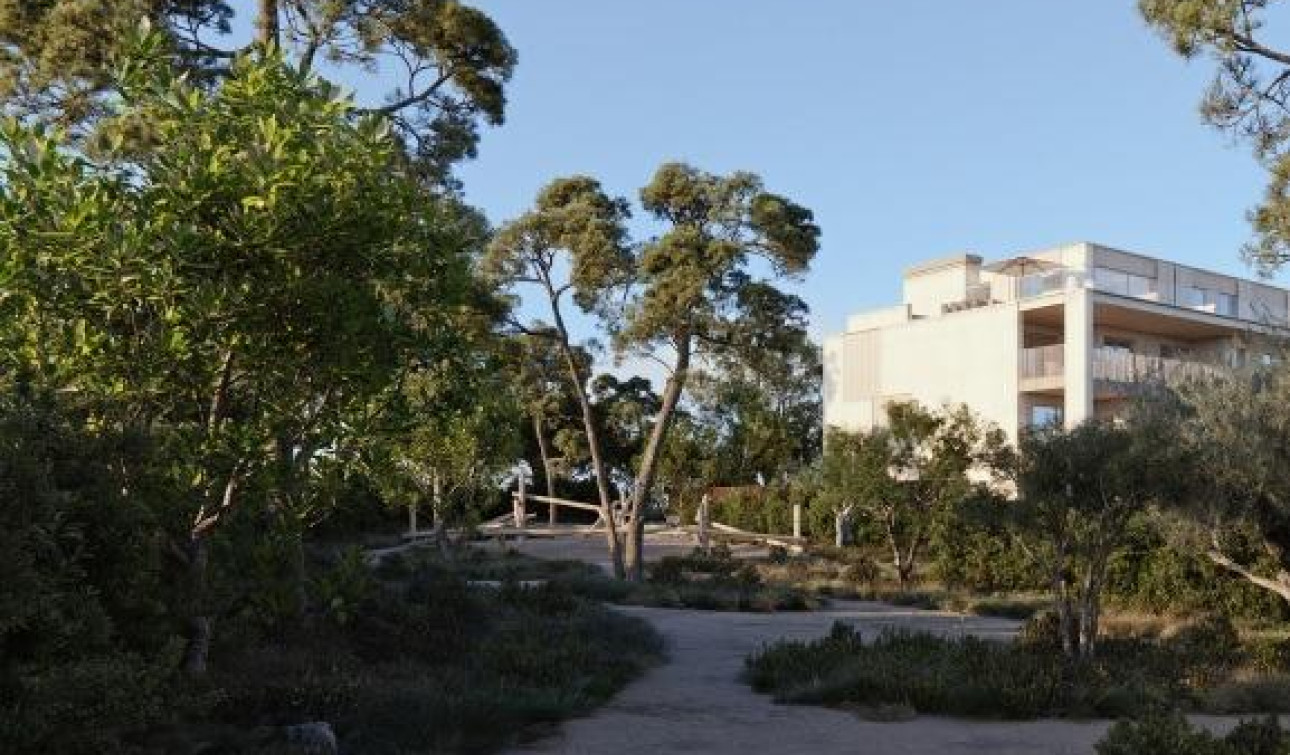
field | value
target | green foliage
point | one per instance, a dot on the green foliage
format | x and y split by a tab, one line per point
1152	574
1174	735
1079	491
906	477
59	58
1237	513
974	677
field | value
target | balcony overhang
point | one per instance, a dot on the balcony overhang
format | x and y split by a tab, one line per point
1128	313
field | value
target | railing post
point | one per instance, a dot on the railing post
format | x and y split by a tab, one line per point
521	516
703	523
797	519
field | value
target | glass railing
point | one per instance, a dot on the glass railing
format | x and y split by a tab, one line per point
1043	361
1120	366
1049	282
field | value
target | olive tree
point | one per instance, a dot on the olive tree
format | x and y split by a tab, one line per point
1238	512
1078	490
905	475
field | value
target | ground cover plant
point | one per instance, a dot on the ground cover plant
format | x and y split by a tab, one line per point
413	658
715	581
1173	735
1203	667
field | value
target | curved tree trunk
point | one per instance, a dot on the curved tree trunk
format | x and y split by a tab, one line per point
635	555
593	442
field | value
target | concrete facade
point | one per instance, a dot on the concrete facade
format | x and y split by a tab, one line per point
1056	335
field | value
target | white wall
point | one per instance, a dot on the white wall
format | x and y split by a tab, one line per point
968	357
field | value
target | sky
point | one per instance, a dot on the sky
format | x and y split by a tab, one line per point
913	130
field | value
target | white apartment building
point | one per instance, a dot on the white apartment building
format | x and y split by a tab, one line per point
1058	335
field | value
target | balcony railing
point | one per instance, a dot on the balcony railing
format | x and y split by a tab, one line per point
1120	366
1049	282
1043	361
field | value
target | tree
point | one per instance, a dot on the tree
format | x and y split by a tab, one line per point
1249	97
906	476
693	290
550	404
686	294
571	244
56	58
244	286
1078	490
1238	513
855	476
763	399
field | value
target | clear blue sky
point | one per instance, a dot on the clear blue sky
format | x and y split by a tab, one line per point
911	129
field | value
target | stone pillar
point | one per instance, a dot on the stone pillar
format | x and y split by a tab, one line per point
1078	356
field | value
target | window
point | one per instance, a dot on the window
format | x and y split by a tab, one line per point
1045	416
1170	351
1125	284
1207	300
1192	297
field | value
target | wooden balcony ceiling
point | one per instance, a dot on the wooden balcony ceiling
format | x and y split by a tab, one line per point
1163	320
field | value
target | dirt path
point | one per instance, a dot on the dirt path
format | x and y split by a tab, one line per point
697	703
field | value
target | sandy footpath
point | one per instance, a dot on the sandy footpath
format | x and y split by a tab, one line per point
697	703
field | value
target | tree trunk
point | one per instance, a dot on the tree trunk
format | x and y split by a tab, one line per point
842	527
649	459
267	30
436	508
1061	589
545	452
579	382
593	443
199	622
1278	585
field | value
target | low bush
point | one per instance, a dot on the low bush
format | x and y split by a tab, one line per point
426	662
1198	668
1173	735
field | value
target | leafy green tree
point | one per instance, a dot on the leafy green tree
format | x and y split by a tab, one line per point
1079	489
571	244
1249	97
685	294
1238	513
545	396
451	61
905	476
763	399
694	287
446	437
245	284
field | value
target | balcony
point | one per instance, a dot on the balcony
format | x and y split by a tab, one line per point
1043	368
1118	366
1043	361
1114	370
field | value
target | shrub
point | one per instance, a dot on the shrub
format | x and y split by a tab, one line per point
1173	735
1030	678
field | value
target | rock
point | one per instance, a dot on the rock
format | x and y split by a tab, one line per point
313	738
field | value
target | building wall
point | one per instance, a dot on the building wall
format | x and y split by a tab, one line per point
968	357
